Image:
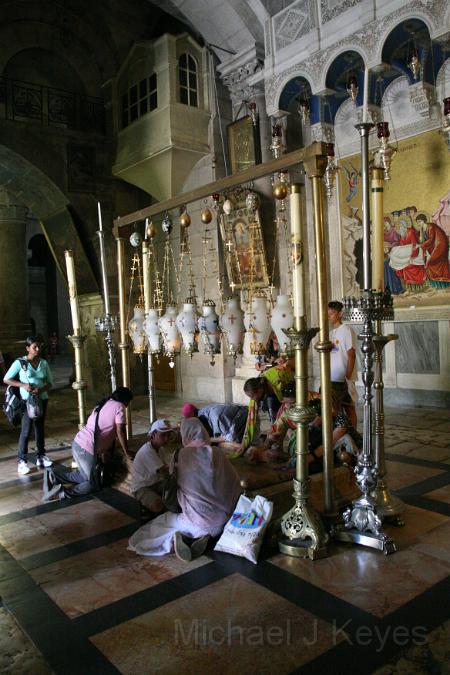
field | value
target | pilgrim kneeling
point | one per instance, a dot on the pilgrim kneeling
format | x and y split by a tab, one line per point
150	468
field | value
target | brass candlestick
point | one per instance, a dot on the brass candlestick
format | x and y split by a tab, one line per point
147	305
124	344
79	385
303	533
315	164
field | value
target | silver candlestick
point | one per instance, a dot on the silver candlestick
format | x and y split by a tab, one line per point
106	324
362	524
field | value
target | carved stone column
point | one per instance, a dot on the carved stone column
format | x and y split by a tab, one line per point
15	323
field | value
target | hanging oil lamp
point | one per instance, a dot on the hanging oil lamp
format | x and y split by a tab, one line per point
185	218
277	147
186	323
136	331
135	239
331	170
352	88
446	120
232	326
253	110
384	153
170	335
166	224
206	215
414	64
303	108
208	325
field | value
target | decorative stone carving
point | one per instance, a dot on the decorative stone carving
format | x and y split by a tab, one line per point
329	9
322	131
368	40
292	23
422	97
235	74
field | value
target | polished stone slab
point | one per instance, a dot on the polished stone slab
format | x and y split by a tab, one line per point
233	626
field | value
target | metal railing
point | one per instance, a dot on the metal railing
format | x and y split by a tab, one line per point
24	101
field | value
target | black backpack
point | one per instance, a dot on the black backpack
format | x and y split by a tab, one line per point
14	405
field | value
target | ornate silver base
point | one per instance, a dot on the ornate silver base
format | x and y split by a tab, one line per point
303	533
381	542
388	506
363	526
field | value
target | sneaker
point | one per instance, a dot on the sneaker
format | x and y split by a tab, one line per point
43	461
199	545
23	468
182	550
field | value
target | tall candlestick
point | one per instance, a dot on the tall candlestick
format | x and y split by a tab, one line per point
377	183
101	238
73	297
100	225
366	96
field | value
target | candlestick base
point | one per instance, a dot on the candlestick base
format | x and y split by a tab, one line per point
389	507
303	533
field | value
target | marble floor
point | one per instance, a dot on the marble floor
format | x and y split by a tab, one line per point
75	600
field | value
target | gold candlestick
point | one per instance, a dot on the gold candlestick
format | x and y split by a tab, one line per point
147	305
315	164
124	344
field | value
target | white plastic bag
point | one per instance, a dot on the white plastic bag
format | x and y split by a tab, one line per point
244	532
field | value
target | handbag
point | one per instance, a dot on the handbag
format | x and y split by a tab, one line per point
34	407
169	494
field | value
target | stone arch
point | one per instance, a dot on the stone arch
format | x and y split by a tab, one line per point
353	47
403	15
32	188
443	81
22	34
284	81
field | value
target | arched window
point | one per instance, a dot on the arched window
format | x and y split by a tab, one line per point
139	100
187	75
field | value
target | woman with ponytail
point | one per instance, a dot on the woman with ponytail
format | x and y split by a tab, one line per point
96	440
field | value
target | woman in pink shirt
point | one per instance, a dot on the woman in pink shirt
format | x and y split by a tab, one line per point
105	424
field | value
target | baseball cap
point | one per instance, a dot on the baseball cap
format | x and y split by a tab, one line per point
160	425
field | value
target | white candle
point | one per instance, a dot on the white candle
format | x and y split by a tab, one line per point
100	226
366	95
73	297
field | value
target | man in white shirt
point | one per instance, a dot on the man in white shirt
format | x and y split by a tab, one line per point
149	469
342	360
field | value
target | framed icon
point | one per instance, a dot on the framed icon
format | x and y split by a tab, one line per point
245	255
243	144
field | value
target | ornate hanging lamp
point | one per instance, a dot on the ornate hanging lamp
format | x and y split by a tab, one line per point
170	335
413	62
253	112
232	326
352	88
385	152
256	321
282	318
304	108
331	170
208	325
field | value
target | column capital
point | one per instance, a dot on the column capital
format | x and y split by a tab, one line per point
315	161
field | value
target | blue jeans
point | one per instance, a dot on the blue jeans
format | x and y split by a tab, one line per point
82	477
39	433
